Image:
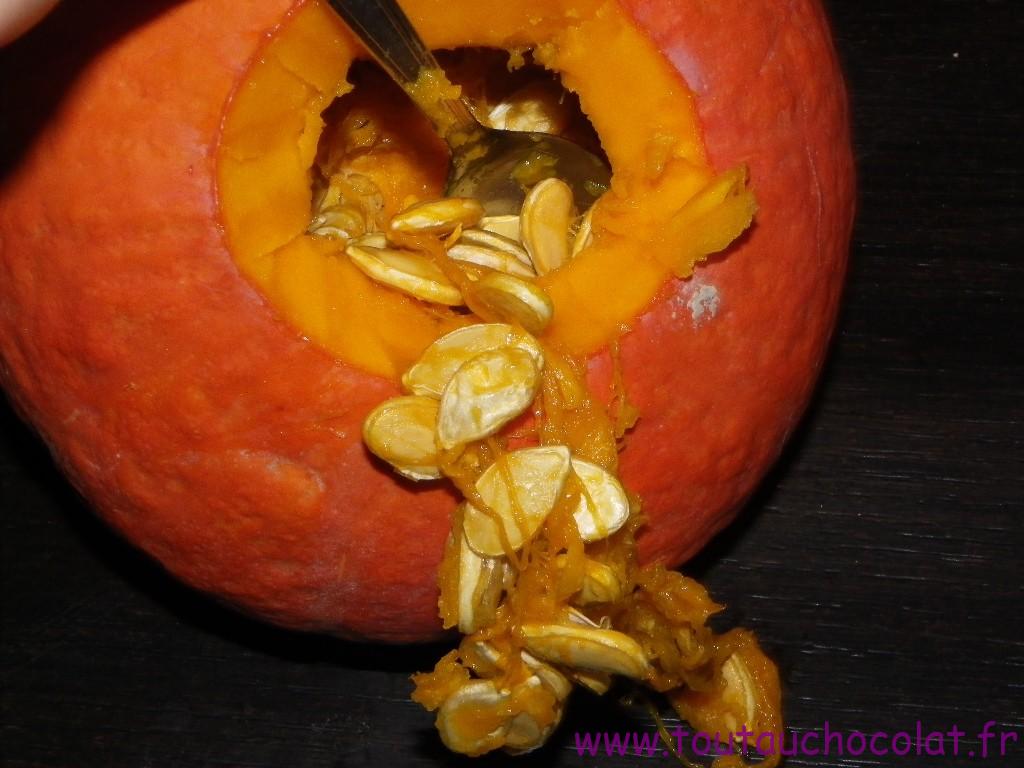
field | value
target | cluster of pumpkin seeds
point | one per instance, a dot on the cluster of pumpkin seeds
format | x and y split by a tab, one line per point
467	387
498	257
512	681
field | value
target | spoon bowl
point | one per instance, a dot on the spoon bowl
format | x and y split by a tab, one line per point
513	161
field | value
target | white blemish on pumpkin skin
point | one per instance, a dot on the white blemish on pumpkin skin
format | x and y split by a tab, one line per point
701	300
703	303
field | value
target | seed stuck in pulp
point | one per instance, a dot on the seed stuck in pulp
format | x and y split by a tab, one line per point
438	217
435	368
546	218
519	490
486	393
513	300
590	649
407	272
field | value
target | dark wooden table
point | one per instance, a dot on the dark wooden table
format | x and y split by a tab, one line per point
880	562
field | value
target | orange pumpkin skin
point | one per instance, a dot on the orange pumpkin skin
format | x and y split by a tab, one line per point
219	440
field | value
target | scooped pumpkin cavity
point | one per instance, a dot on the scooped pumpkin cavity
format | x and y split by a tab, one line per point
640	233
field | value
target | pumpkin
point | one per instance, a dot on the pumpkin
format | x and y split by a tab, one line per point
201	367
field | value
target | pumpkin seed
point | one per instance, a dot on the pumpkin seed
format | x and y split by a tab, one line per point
407	272
600	584
603	507
521	488
740	691
490	258
487	239
341	221
584	233
470	721
524	733
514	300
486	393
371	240
436	366
480	717
356	190
482	657
488	661
595	682
506	225
480	584
596	650
546	216
576	617
536	107
579	618
552	679
439	217
402	432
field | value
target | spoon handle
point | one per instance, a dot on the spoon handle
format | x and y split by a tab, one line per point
387	33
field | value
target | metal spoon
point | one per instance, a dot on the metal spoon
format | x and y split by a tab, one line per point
487	164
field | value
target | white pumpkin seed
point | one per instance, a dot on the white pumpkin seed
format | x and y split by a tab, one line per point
372	240
596	682
490	258
740	690
436	366
546	216
600	584
506	225
489	662
482	656
521	488
459	720
480	583
407	272
603	507
439	217
579	618
596	650
514	300
524	733
584	233
536	107
354	190
486	393
402	431
340	221
552	679
487	239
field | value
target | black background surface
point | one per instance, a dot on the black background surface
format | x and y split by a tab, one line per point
879	563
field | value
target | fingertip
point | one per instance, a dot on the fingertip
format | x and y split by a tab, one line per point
18	16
